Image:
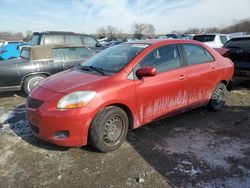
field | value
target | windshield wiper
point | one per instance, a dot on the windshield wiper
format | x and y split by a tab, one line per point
91	68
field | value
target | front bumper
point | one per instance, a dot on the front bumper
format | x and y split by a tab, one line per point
46	120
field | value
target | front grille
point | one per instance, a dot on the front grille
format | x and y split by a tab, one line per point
34	103
34	128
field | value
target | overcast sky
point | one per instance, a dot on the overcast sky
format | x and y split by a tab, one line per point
87	15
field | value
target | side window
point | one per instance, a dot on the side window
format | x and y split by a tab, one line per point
74	39
89	41
57	55
196	54
54	39
25	53
163	59
76	53
223	39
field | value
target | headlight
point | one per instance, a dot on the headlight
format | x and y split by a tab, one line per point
76	99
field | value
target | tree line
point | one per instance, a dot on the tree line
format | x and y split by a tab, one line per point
140	30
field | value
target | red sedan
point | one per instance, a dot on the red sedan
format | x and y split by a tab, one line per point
125	87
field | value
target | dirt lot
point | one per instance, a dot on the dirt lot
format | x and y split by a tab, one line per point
194	149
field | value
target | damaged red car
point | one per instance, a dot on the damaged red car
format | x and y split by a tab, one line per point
125	87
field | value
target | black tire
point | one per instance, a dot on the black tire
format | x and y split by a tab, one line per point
109	129
217	101
31	81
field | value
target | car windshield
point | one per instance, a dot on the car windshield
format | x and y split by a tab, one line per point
204	38
114	59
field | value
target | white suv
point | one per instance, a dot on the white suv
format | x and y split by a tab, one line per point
213	40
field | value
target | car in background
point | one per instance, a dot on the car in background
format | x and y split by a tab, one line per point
213	40
238	50
124	87
109	41
69	38
1	43
11	50
38	62
173	36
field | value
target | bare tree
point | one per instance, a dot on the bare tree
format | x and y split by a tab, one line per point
138	29
149	31
101	31
28	36
141	30
107	31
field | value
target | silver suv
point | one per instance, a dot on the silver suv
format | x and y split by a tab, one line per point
70	38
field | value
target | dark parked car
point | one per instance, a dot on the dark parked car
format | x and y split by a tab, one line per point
238	50
70	38
38	62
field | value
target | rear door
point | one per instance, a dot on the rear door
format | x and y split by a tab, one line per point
202	73
165	92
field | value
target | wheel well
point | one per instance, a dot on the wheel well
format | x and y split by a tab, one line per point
128	112
32	74
228	84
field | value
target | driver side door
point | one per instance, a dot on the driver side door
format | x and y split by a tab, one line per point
167	91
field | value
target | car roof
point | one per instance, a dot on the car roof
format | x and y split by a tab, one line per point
212	34
45	51
241	37
163	41
58	32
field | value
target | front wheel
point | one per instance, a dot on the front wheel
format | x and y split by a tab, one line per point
109	129
31	82
217	101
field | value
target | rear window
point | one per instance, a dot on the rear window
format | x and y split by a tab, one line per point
25	53
243	43
54	39
204	38
74	54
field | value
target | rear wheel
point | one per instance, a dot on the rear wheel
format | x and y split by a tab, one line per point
109	129
217	101
31	82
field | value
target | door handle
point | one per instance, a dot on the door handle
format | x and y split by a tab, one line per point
213	68
182	77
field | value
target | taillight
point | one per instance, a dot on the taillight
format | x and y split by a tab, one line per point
3	51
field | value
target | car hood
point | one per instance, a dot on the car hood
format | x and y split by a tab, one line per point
12	62
71	80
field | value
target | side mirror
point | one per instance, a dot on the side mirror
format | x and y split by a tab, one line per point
98	44
146	72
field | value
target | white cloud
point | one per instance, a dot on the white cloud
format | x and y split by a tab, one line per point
165	15
87	15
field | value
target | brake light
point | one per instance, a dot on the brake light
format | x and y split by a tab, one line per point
223	51
3	51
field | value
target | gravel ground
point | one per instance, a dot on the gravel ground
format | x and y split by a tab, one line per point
194	149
